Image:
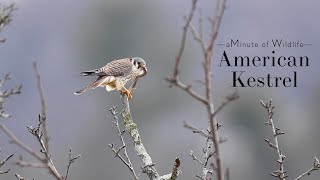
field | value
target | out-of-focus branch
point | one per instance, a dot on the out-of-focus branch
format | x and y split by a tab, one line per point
315	167
7	93
6	16
40	133
220	7
195	129
197	36
228	99
72	159
281	173
183	39
19	177
19	143
2	162
22	163
206	99
43	114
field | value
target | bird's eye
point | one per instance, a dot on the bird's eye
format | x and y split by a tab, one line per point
139	63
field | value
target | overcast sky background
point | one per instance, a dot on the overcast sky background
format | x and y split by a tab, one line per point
67	37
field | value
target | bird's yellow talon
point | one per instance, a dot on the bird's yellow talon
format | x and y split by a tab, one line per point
126	92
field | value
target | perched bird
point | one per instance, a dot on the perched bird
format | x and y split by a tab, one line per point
116	74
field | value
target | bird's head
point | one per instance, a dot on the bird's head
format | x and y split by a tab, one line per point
141	65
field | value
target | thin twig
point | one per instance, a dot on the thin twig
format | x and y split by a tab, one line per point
183	39
206	157
19	143
127	162
6	94
195	158
19	177
3	162
281	173
207	53
197	37
175	81
71	161
227	100
43	106
315	167
195	129
6	16
39	134
220	7
30	164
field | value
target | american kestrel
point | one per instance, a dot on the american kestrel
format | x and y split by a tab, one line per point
116	74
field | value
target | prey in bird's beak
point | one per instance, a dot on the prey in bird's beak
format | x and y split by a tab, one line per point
144	68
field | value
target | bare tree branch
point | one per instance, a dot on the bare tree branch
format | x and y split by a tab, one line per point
315	167
6	16
22	163
227	100
41	134
281	173
20	177
127	162
220	7
197	36
207	61
48	160
43	106
195	129
7	93
132	128
2	162
19	143
175	81
183	39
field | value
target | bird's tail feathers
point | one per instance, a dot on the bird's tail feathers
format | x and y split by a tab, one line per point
90	86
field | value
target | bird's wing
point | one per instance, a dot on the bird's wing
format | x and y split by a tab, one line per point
120	67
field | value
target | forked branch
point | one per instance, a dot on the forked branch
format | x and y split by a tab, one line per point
206	99
132	129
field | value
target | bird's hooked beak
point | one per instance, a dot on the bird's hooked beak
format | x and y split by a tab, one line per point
144	68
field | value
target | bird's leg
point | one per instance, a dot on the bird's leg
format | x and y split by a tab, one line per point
126	92
132	87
